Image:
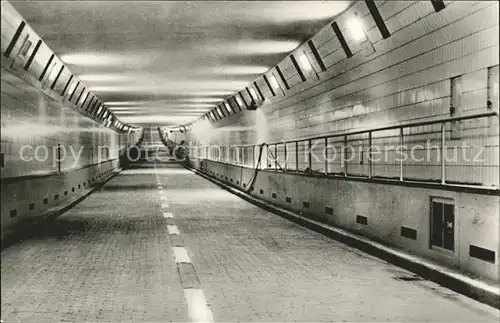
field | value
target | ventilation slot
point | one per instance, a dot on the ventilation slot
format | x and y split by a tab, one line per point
361	219
305	205
274	195
482	253
13	213
409	233
328	210
45	201
261	192
288	199
32	206
56	197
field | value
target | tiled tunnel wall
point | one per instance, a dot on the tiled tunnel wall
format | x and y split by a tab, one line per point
430	62
40	127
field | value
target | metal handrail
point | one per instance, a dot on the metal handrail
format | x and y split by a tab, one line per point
384	128
345	135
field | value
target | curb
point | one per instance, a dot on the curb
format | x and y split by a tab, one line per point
443	276
14	233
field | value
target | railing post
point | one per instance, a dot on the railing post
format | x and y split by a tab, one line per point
345	156
254	162
325	155
443	152
275	157
296	156
401	141
286	157
243	156
267	156
370	169
309	157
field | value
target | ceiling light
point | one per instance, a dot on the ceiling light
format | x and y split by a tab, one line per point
72	88
104	59
83	98
253	93
304	61
236	70
240	102
155	119
260	46
355	27
219	111
200	99
274	82
228	107
53	73
123	103
101	77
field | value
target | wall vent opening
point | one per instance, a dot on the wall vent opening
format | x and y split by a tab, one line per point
409	233
361	219
482	253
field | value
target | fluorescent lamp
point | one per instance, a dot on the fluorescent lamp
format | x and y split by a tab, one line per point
356	28
304	61
274	82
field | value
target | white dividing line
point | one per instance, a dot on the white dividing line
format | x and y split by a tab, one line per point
161	192
168	215
198	309
160	187
173	229
164	206
163	198
181	255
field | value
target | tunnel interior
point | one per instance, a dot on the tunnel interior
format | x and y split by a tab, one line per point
260	161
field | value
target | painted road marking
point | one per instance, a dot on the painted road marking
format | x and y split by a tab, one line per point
164	206
173	229
163	198
181	255
160	187
168	215
198	309
161	192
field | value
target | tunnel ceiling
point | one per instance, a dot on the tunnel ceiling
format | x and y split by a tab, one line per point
169	62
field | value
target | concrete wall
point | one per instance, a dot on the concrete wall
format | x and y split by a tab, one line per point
35	120
386	206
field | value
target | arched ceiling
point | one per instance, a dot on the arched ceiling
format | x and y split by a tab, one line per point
167	63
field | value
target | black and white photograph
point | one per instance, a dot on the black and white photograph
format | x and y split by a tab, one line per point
249	161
